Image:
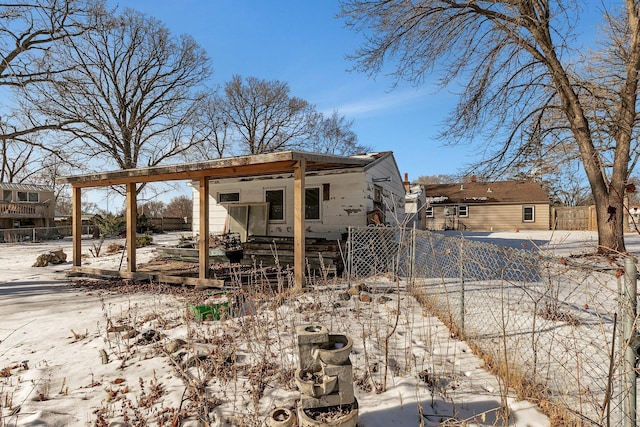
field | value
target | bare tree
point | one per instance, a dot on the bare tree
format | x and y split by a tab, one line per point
333	135
152	208
129	91
29	31
263	117
438	179
212	129
179	206
521	63
16	159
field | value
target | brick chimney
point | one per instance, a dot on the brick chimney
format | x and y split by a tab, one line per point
407	184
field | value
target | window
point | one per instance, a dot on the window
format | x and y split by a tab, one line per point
228	197
463	211
6	195
312	203
429	212
326	191
275	198
528	214
25	196
450	211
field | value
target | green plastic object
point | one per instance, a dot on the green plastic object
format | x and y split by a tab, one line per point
210	311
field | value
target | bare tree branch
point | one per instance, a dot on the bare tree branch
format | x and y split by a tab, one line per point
129	95
521	65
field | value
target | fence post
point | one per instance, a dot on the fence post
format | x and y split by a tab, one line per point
629	309
461	262
349	256
412	258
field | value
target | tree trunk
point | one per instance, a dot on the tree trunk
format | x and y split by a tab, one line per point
610	216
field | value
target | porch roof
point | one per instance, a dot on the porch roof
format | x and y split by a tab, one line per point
243	166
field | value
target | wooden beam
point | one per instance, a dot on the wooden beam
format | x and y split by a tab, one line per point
151	276
254	165
132	216
298	223
203	259
76	225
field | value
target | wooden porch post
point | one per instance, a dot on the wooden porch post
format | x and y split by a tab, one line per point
203	260
132	216
76	225
298	223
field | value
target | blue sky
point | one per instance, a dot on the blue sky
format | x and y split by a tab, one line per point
302	43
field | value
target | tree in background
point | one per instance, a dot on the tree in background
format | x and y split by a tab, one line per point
179	207
212	130
263	116
333	135
30	31
128	92
152	208
255	116
524	71
438	179
16	161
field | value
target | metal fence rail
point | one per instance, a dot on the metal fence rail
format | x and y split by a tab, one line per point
37	234
546	319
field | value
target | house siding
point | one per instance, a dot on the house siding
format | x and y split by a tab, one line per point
349	200
27	214
493	217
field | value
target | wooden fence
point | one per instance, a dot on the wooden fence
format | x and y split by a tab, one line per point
574	218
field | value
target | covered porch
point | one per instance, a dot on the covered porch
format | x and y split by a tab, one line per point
296	162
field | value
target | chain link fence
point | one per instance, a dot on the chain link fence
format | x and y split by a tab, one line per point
38	234
547	323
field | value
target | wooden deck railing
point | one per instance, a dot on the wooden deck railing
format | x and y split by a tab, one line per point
22	210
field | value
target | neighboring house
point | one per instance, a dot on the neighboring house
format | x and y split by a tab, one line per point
26	205
334	199
414	205
487	206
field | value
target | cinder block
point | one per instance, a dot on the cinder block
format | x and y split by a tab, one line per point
312	334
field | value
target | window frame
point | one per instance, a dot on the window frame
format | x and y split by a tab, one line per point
222	195
429	212
6	193
532	208
319	204
464	208
284	204
25	196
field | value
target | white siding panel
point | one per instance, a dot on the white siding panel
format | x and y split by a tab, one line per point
350	198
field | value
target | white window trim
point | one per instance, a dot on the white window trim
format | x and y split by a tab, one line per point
533	213
319	188
28	194
284	204
227	192
466	211
429	212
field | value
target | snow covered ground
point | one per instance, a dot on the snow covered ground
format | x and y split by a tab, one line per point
54	337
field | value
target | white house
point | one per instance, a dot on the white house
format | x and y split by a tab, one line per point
371	192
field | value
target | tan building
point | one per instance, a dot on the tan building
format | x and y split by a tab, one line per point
26	205
487	206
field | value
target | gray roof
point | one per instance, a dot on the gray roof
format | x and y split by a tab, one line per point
23	187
